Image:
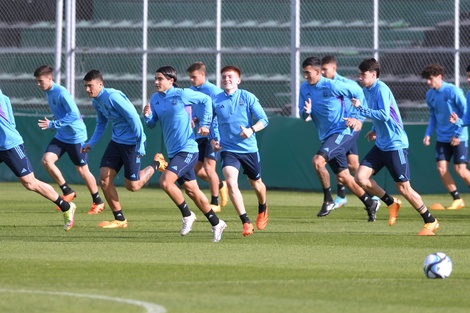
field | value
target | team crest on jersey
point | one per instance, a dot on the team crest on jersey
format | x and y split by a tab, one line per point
54	101
241	102
175	101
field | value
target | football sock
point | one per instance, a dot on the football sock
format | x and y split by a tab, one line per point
327	195
221	184
387	199
184	209
65	189
212	217
261	207
215	200
63	205
96	198
455	194
426	215
119	216
341	191
155	165
244	218
366	199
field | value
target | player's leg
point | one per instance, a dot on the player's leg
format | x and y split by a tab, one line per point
460	167
251	164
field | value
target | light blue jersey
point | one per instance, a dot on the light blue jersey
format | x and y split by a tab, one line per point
9	136
171	109
233	111
385	115
211	90
67	118
351	111
112	105
441	103
328	111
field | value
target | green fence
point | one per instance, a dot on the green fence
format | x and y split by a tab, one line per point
286	148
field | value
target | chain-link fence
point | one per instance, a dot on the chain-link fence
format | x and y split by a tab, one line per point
254	35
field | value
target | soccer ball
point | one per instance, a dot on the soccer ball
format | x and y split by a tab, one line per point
437	265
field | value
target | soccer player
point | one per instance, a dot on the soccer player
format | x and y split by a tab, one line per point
328	68
320	101
240	115
390	149
70	134
205	167
444	98
170	105
126	147
13	153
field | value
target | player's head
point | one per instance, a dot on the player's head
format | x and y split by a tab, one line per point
369	71
43	75
328	66
311	69
231	78
197	74
165	78
433	74
93	82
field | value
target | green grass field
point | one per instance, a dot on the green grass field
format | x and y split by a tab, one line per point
299	263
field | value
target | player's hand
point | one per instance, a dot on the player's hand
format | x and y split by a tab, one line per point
353	123
215	145
308	106
147	110
85	148
371	135
355	102
246	132
203	131
193	122
44	124
453	118
455	141
426	140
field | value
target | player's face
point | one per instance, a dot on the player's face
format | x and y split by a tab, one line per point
162	83
468	77
312	74
230	81
367	78
44	82
328	70
197	78
93	87
434	82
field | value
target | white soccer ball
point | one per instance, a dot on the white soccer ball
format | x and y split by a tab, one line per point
437	265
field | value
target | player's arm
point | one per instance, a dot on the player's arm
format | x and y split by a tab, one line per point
100	127
67	104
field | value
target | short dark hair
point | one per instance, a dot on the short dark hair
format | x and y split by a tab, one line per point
43	70
197	66
168	72
468	68
93	74
231	68
433	69
371	65
328	59
311	61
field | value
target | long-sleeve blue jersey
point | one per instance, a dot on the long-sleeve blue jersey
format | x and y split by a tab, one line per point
442	102
351	111
211	90
233	111
9	136
112	105
67	118
385	115
170	108
328	111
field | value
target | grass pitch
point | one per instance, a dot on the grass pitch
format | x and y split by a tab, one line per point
299	263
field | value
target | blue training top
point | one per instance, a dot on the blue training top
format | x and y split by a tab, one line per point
386	118
442	102
233	111
173	109
211	90
9	136
113	105
328	111
67	118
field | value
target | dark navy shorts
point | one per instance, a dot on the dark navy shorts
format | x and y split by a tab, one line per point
249	161
77	157
17	160
182	164
116	155
444	151
206	150
395	161
335	148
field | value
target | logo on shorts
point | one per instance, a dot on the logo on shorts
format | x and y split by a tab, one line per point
82	161
133	176
401	177
175	167
327	149
24	170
